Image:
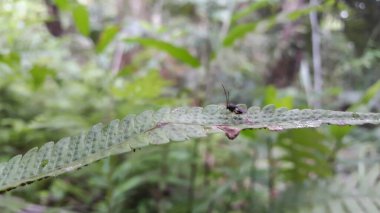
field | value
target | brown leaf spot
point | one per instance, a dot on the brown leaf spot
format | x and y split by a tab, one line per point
230	132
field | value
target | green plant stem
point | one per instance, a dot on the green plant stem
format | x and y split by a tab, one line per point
271	179
111	204
332	158
206	165
164	174
193	175
253	180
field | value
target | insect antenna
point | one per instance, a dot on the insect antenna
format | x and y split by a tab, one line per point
232	107
227	95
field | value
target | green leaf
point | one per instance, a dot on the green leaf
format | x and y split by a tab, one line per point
62	4
271	97
145	87
12	59
292	16
308	138
160	127
340	132
81	19
176	52
306	151
270	94
241	30
370	93
250	9
39	74
127	185
106	37
238	32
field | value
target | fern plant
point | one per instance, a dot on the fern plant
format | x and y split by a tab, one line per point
346	193
160	127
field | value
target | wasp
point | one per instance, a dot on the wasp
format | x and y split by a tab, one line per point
230	106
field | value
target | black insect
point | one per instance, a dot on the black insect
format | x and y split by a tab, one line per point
232	107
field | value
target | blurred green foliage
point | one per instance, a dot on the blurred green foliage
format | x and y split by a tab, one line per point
53	86
176	52
81	19
106	37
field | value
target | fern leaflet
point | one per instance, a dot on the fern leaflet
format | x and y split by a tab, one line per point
160	127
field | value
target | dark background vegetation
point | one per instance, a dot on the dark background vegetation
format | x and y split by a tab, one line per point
66	65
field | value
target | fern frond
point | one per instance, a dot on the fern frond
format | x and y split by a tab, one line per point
345	193
160	127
